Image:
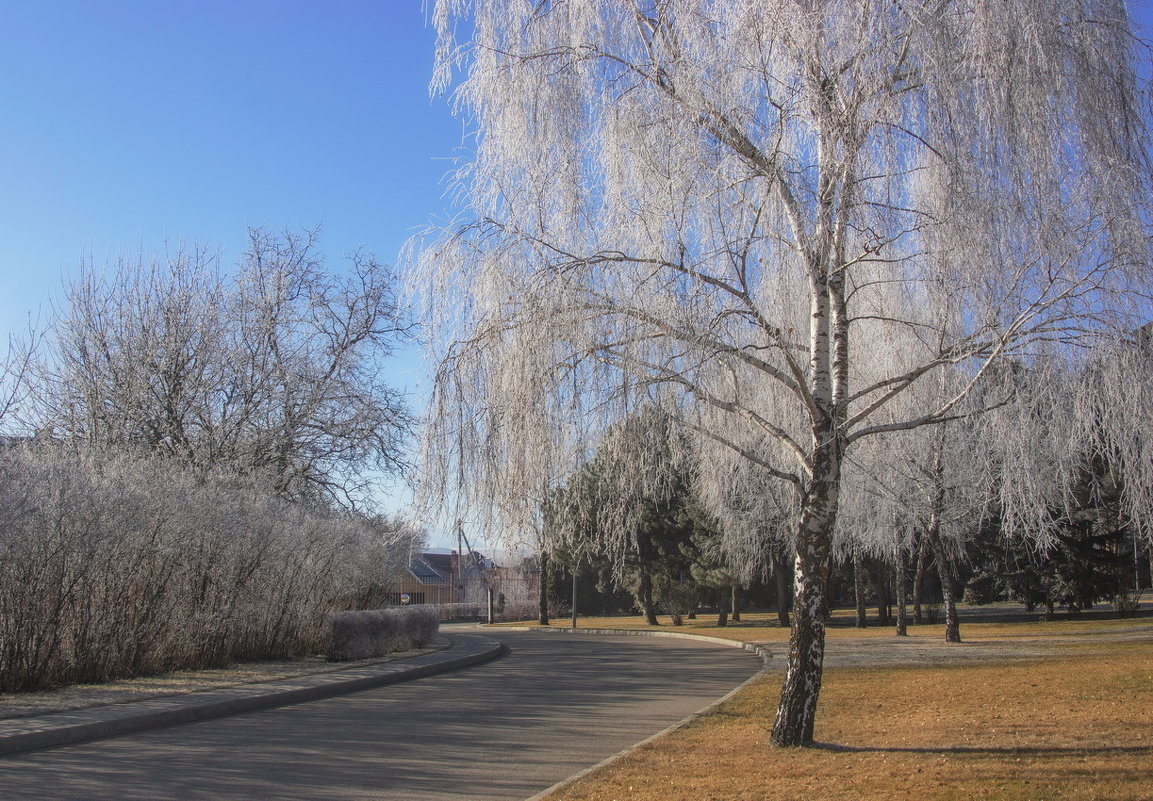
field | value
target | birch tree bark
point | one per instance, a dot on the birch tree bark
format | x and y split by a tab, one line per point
773	220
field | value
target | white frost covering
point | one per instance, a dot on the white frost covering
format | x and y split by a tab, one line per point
805	230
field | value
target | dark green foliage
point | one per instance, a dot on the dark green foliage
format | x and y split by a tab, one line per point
597	593
1090	559
680	598
654	559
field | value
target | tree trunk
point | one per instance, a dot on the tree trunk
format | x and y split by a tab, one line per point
781	578
797	709
919	578
645	598
542	608
902	578
944	568
948	587
859	588
723	608
828	348
880	585
735	604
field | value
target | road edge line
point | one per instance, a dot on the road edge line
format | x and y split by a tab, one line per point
760	651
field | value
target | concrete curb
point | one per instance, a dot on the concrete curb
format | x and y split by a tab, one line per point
60	728
760	651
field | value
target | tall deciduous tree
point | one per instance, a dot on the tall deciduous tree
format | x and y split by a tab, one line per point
774	218
276	370
16	374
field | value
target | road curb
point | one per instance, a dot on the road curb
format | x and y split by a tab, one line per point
61	728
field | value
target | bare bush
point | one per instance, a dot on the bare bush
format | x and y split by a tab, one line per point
376	632
114	565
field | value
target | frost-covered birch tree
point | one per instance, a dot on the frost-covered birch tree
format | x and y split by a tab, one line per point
745	211
933	480
1074	449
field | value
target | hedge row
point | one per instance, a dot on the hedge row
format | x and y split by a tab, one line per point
376	632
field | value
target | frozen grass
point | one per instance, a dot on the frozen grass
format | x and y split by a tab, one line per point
975	625
1070	716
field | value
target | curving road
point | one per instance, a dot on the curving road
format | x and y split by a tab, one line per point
552	706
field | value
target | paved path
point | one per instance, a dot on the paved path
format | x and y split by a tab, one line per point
502	730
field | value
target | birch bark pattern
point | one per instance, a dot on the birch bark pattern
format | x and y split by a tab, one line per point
797	708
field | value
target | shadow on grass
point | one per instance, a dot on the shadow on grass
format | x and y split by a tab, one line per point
1039	751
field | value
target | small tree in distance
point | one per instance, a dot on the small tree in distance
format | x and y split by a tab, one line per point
774	220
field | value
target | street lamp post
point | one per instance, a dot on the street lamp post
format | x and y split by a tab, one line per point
574	588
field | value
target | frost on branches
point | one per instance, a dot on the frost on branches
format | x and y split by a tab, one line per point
779	221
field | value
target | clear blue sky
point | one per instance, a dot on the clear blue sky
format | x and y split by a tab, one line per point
127	124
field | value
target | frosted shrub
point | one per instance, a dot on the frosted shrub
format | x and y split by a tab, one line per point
420	624
358	635
376	632
115	565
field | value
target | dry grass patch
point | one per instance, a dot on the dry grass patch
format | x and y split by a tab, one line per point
1076	725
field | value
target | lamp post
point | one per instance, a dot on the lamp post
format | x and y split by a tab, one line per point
574	588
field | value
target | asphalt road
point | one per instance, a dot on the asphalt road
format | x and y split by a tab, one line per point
554	705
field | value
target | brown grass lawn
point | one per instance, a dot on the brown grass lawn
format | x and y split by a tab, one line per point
1075	723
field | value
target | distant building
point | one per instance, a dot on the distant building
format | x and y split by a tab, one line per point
438	576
